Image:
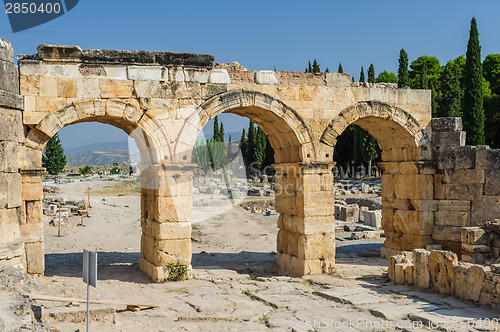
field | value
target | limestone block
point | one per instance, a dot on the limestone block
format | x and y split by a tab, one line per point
32	232
452	218
293	266
66	87
163	252
116	91
442	270
34	212
409	272
10	195
413	222
485	210
456	157
372	218
64	70
446	124
349	213
33	68
492	182
147	73
29	85
167	231
454	138
473	248
88	88
475	235
9	160
487	158
439	189
9	226
219	76
35	258
6	51
9	77
421	272
337	80
169	209
306	225
288	242
115	72
310	204
147	89
32	191
10	250
11	126
447	233
196	75
265	77
414	186
411	241
399	273
48	86
424	205
387	221
50	104
468	281
398	259
464	191
316	246
453	205
464	176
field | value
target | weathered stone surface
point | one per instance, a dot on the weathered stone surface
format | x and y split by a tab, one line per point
9	77
10	195
492	182
447	233
265	77
456	157
441	267
35	260
421	274
464	191
219	76
6	51
454	138
9	161
487	158
484	211
446	124
475	235
11	126
468	281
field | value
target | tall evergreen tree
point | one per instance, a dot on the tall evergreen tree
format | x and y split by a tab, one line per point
423	82
216	128
450	103
371	74
250	148
220	138
362	75
352	79
54	159
327	70
260	148
403	78
243	146
473	114
269	155
315	68
309	68
340	70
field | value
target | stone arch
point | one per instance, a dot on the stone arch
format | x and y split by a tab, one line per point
290	136
398	133
149	134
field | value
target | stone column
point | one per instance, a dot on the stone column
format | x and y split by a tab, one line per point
305	201
11	136
166	211
407	205
32	219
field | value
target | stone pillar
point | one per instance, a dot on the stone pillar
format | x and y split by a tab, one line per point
166	205
11	136
32	219
407	205
305	201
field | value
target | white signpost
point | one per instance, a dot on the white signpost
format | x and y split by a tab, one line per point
89	275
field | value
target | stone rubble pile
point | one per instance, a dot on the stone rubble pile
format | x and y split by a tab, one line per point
441	270
343	189
353	213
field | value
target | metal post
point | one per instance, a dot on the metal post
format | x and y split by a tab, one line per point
59	226
88	305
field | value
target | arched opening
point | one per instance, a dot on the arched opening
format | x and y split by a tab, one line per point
148	135
387	214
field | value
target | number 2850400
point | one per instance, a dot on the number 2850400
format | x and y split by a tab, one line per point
32	8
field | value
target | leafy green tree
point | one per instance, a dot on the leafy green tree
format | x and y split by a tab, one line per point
315	68
491	72
450	103
387	77
427	65
343	152
340	70
85	169
371	74
365	147
362	75
403	77
473	114
54	159
114	170
492	120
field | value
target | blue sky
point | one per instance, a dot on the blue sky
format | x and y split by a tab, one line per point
268	34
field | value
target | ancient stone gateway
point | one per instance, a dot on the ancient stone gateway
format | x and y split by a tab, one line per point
163	100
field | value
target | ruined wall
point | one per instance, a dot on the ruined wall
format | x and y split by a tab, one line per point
11	135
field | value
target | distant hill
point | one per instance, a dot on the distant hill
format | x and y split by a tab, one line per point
98	154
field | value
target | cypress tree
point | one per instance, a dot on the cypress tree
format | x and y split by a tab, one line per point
269	154
229	151
450	103
327	70
243	146
260	148
216	128
473	115
54	159
403	77
371	74
352	79
309	68
362	75
315	68
250	147
221	133
340	70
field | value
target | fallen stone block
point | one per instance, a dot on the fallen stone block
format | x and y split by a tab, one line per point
421	273
468	281
441	269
